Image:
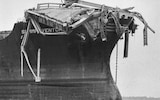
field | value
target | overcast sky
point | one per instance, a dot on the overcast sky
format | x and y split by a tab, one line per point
139	74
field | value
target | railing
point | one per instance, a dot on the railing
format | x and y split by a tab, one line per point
49	5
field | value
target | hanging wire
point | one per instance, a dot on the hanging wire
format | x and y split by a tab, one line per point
116	73
62	1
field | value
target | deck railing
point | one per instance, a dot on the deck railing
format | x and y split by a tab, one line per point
49	5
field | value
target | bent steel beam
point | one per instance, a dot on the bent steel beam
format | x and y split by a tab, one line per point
24	53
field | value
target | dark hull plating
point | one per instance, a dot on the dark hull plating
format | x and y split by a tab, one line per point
70	68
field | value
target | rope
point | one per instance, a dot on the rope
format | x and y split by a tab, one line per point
116	73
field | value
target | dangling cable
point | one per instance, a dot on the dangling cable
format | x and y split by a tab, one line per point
62	1
116	73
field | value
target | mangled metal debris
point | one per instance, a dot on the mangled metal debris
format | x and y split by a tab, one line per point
63	19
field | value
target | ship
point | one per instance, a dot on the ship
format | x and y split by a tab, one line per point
62	51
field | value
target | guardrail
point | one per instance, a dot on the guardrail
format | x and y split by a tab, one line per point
49	5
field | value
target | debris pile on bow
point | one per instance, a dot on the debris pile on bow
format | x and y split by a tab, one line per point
63	19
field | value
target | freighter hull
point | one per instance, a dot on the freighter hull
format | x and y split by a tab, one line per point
53	56
70	69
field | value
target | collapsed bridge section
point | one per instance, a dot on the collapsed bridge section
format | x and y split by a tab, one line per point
65	49
76	35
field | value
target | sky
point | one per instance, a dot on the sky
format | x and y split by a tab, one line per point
139	74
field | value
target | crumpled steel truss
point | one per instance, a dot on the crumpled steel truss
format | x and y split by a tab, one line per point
90	10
